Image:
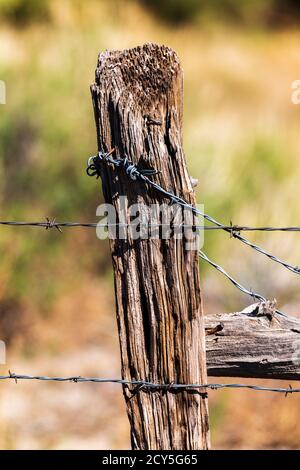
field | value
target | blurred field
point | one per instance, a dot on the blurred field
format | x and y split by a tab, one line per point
241	135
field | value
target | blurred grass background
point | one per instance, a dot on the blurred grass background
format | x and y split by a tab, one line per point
241	136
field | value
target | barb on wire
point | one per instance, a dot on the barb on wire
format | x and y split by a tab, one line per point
51	223
146	385
243	289
94	168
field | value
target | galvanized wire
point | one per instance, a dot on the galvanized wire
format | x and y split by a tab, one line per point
140	385
52	223
233	232
94	168
243	289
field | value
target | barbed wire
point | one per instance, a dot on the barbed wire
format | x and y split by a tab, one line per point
149	386
52	223
234	230
243	289
134	173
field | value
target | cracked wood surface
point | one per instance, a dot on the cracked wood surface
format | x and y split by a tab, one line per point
250	345
138	104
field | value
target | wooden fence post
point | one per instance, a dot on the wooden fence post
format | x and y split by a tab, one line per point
138	104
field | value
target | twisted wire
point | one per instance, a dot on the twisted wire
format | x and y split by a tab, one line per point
229	228
243	289
149	386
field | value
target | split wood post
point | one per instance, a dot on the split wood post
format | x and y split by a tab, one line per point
138	104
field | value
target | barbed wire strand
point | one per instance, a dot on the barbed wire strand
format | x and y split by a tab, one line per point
145	385
243	289
238	228
94	169
233	233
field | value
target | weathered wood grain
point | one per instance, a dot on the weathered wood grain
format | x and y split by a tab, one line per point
138	103
246	345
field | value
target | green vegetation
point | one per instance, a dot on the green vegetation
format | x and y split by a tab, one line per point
247	12
22	12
